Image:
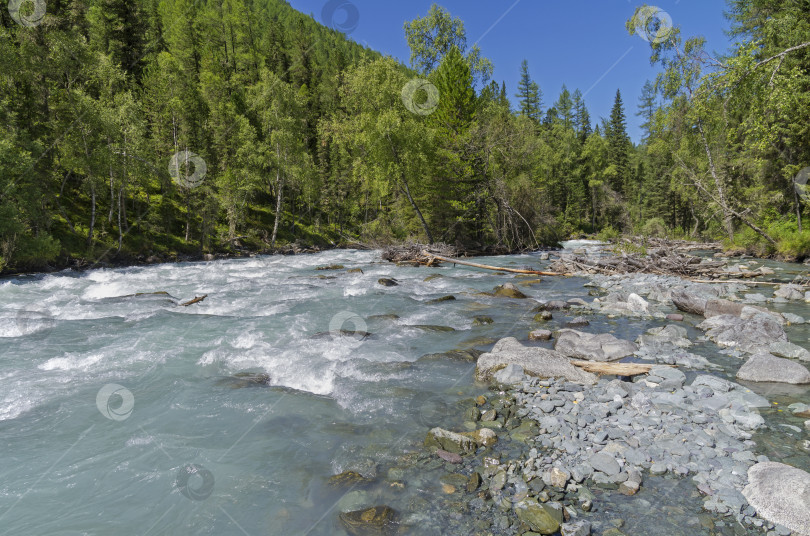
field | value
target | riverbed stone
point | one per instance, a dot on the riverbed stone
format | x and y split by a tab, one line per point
790	350
541	518
387	282
781	494
719	306
576	528
577	322
592	347
450	441
790	292
538	362
379	520
449	457
509	290
765	367
689	302
749	335
605	463
540	335
509	375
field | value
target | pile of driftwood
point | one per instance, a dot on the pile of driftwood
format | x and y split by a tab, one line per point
658	261
418	254
677	245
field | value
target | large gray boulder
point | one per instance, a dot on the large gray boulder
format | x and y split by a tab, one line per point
764	367
689	302
719	307
781	494
751	335
790	292
665	335
592	347
538	362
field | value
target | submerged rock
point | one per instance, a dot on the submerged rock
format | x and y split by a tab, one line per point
246	379
450	441
765	367
592	347
508	290
387	282
455	355
442	299
482	320
339	333
538	362
376	521
781	494
541	518
331	267
428	327
348	479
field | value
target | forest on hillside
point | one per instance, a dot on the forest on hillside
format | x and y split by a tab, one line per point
132	128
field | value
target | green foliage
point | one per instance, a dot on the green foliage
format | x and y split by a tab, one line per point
433	36
608	234
305	136
655	227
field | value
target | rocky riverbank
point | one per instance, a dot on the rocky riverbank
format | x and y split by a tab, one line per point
552	449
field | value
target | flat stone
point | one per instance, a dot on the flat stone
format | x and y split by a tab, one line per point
781	494
449	457
605	463
790	350
538	362
765	367
592	347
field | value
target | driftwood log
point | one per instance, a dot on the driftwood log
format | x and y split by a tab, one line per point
487	267
617	369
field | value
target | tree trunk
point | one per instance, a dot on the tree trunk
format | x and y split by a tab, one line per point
407	192
120	230
279	189
92	213
718	183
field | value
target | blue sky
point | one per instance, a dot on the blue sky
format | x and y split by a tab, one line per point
580	43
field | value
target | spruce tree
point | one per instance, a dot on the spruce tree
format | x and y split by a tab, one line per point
619	145
529	94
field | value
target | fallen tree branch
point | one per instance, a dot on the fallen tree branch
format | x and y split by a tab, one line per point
197	299
488	267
